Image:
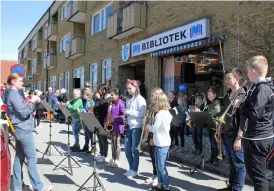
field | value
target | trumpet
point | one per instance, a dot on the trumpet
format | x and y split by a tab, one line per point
221	120
108	125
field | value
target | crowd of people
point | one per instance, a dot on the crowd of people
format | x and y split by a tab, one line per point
247	134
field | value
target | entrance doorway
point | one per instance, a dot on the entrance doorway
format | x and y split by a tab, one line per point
133	71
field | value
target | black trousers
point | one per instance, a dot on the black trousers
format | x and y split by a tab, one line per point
152	156
103	145
213	145
255	153
197	137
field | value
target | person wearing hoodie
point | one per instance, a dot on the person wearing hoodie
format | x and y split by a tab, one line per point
256	121
75	106
161	139
135	111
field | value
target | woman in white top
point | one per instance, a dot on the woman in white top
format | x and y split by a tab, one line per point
161	139
135	111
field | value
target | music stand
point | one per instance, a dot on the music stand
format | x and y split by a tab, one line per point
94	126
67	115
48	149
201	119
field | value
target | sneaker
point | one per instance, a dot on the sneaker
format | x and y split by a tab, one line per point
116	164
97	157
127	172
26	187
47	188
154	182
101	159
110	163
150	179
75	149
132	174
155	188
107	160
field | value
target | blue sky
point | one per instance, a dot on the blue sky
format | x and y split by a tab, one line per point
17	20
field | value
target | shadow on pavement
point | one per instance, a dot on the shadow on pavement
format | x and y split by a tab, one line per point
59	179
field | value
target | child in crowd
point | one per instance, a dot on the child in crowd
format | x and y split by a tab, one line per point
88	134
75	106
116	111
179	124
161	139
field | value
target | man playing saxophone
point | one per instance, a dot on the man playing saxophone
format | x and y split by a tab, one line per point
231	133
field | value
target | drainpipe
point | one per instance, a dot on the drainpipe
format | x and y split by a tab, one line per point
47	72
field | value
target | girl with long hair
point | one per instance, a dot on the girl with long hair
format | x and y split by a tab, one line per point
135	111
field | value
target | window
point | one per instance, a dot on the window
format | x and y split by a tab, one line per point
99	21
34	86
53	83
45	59
34	44
79	73
60	81
106	70
33	66
64	12
45	85
93	76
63	42
38	85
67	81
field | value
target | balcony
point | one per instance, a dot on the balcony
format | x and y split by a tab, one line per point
76	11
127	20
75	47
27	54
51	32
50	61
36	68
37	44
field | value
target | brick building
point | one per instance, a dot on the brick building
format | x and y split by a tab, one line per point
160	43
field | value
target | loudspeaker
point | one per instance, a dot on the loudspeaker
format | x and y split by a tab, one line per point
76	83
188	73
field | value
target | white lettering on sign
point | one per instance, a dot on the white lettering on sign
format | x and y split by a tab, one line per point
190	32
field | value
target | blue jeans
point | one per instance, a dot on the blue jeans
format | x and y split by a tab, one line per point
25	148
131	147
213	145
75	129
160	161
88	136
237	165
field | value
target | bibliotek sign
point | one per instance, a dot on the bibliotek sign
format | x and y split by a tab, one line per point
190	32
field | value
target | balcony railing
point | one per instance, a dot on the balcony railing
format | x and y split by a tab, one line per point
37	44
127	20
36	69
75	47
51	32
27	54
76	11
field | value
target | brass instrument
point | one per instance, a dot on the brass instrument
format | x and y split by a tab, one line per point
4	109
221	120
108	125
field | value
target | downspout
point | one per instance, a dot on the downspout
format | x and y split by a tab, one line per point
47	72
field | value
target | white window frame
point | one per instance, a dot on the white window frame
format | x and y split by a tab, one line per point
64	15
80	72
63	44
67	82
33	66
53	83
61	81
103	69
101	26
91	73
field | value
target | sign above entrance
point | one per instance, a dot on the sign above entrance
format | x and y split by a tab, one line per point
190	32
125	52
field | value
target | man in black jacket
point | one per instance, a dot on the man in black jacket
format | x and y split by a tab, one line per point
231	132
256	121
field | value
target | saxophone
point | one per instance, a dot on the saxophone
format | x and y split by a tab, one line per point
108	125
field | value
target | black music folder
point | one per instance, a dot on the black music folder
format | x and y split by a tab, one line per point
92	123
48	107
202	119
65	111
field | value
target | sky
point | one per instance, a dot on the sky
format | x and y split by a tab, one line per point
17	20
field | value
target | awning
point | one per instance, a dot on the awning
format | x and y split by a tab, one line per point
189	45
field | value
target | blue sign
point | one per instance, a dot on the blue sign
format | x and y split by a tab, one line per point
19	69
182	88
125	52
196	30
136	49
